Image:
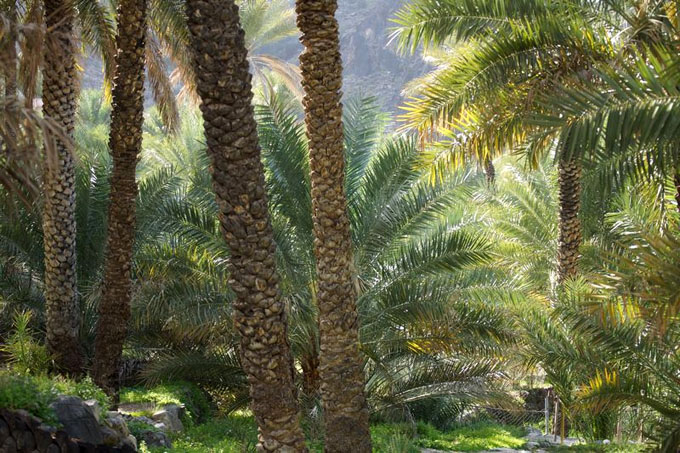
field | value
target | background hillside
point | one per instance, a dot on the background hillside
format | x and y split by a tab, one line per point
372	66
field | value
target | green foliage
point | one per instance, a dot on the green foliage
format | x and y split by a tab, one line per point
480	436
138	427
197	406
233	434
393	438
25	354
35	393
25	392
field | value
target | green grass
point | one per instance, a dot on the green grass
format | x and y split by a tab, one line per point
197	405
238	433
233	434
480	436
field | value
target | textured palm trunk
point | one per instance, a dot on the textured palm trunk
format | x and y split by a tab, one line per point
59	225
223	84
489	171
570	235
10	50
677	190
310	375
341	365
125	142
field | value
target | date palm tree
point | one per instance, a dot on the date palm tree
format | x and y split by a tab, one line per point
127	117
59	104
342	378
260	316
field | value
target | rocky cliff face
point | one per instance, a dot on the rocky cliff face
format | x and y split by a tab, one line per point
372	66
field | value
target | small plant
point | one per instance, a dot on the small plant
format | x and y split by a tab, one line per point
23	392
35	393
137	427
84	389
25	354
401	443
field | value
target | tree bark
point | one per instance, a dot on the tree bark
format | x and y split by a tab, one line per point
677	190
59	225
125	143
341	365
490	171
10	50
224	86
570	234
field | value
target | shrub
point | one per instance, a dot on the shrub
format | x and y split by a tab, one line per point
35	393
23	392
24	353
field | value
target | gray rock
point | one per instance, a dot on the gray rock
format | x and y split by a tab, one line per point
111	437
118	424
170	416
77	419
95	408
130	441
155	439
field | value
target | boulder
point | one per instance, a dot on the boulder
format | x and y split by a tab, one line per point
95	408
130	441
115	421
170	416
111	437
77	419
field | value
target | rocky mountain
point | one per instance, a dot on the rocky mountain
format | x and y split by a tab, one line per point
372	66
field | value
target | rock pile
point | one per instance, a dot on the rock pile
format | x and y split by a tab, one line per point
21	432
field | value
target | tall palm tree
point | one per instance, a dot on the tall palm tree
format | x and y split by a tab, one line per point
342	378
431	342
223	84
59	103
127	117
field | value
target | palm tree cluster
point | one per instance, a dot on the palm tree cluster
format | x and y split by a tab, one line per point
251	234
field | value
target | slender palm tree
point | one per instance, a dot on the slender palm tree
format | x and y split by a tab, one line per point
342	378
127	117
59	103
223	84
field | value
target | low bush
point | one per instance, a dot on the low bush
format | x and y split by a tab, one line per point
35	393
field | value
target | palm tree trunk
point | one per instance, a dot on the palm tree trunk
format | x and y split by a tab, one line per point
223	84
125	141
677	190
489	171
59	226
570	235
10	50
341	365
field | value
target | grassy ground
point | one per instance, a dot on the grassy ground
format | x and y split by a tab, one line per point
238	433
480	436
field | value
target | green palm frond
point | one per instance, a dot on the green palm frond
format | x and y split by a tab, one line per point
628	109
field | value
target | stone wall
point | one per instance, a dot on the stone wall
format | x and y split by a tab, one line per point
20	432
